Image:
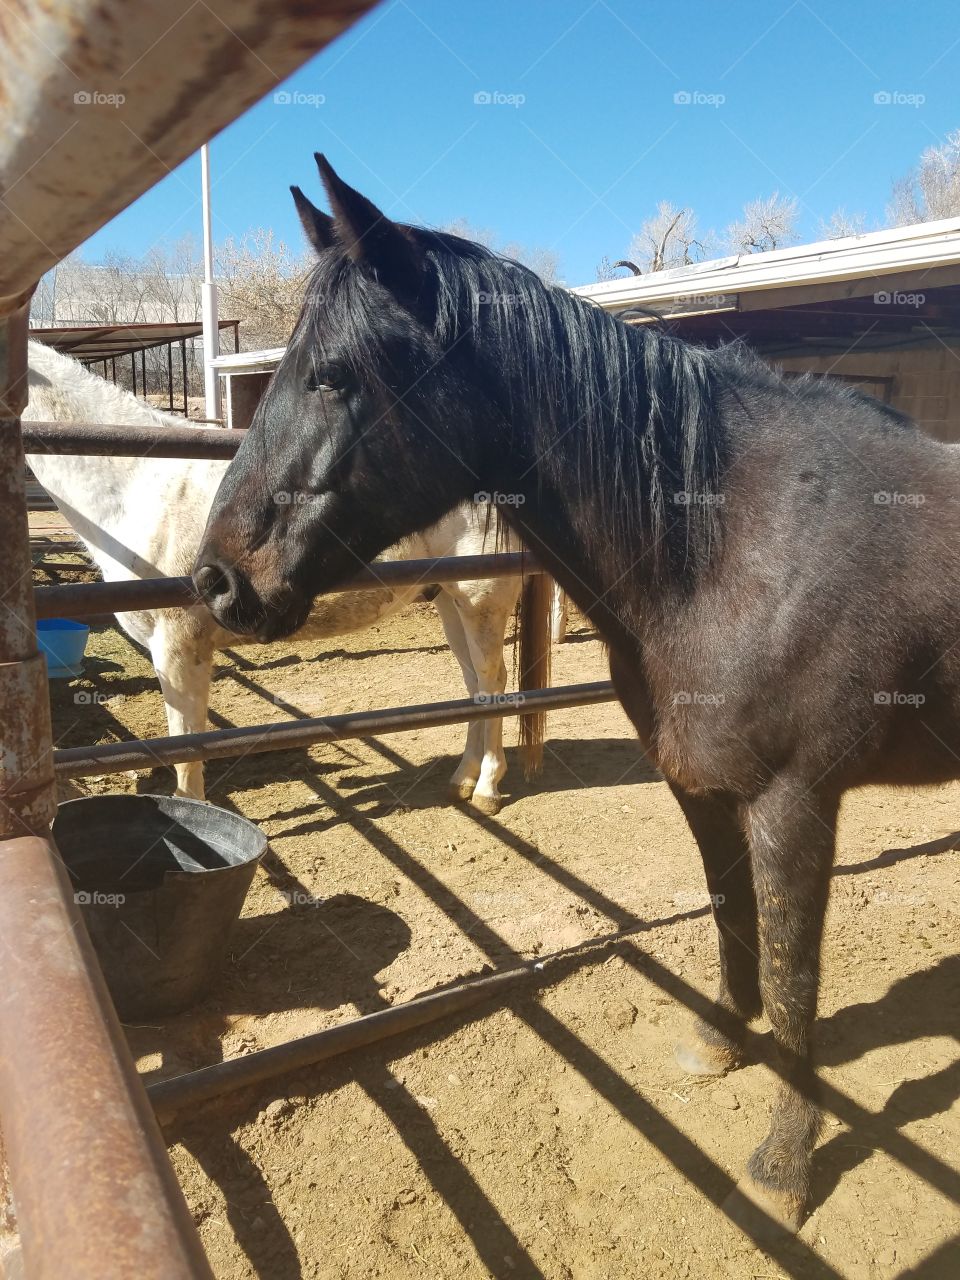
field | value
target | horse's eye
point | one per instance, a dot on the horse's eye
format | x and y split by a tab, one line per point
331	376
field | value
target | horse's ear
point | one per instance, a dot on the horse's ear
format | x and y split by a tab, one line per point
317	224
370	238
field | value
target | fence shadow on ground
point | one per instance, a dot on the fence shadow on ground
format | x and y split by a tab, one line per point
915	1006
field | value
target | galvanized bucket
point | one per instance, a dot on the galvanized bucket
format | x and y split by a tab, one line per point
160	882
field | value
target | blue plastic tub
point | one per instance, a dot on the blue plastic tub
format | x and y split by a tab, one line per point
62	643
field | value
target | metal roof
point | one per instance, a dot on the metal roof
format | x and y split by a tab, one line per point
923	247
104	341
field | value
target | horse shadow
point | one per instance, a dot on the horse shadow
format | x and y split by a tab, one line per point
330	955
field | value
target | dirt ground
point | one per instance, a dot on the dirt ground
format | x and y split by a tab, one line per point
550	1134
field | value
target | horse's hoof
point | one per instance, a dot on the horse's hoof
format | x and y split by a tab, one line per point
763	1212
461	790
698	1058
490	805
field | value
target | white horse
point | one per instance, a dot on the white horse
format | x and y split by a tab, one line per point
143	518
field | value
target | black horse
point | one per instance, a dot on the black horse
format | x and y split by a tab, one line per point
773	566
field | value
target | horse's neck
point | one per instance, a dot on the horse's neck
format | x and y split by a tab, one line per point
607	583
122	508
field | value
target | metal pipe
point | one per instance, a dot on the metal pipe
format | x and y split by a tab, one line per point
103	98
219	744
28	799
86	599
98	439
96	1197
208	291
170	1096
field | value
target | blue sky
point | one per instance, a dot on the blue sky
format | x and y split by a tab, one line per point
584	136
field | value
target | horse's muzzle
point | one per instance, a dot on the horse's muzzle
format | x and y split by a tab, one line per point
238	607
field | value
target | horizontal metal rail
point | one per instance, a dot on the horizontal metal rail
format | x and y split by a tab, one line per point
103	98
219	744
87	599
129	441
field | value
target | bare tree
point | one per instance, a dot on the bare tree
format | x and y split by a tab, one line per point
667	239
932	189
841	224
261	281
545	262
172	275
767	223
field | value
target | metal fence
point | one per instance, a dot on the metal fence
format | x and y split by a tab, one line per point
94	1193
101	99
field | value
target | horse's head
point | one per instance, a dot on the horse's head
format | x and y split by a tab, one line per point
363	435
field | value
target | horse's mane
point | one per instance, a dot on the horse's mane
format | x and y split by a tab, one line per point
632	413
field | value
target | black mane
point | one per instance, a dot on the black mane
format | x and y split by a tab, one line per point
635	409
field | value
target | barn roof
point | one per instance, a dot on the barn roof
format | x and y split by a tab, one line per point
93	342
881	289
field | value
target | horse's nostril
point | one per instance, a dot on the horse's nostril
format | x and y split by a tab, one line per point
213	583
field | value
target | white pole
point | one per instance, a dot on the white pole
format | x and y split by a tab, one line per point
208	297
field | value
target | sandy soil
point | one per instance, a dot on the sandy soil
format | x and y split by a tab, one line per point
551	1134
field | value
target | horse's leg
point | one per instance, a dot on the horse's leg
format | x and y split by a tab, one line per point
558	614
467	772
791	831
484	614
716	826
183	663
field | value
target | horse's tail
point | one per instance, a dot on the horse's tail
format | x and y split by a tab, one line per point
533	662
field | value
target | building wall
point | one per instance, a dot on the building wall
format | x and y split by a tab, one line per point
925	381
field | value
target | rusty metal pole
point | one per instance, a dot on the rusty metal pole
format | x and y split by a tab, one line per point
27	791
96	1196
92	1185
